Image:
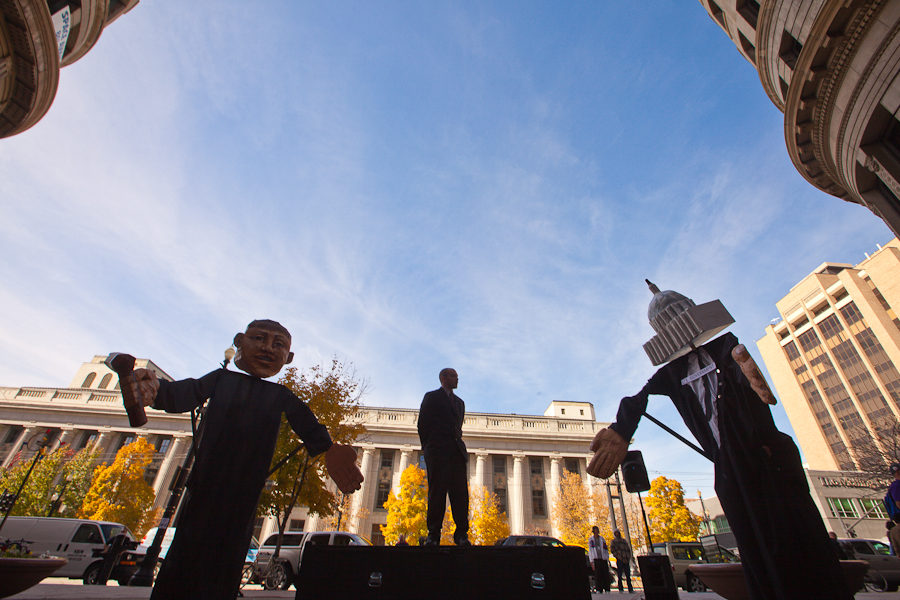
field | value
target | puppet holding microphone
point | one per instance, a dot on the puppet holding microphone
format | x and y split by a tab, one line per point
239	431
724	401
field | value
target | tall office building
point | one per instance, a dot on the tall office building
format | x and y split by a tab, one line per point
37	38
834	358
831	67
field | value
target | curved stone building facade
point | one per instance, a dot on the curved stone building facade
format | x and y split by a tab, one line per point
831	67
37	38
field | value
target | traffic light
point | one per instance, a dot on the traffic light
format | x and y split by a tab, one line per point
634	472
6	501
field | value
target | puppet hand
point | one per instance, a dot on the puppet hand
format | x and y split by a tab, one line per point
752	373
609	450
146	382
340	461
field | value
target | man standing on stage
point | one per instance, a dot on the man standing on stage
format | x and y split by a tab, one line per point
446	460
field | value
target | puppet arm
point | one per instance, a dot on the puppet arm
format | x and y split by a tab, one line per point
147	383
609	450
751	371
340	461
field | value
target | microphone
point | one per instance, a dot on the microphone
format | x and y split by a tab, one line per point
123	365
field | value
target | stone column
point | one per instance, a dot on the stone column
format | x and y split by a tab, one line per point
554	491
65	439
102	444
518	499
174	458
404	461
17	446
361	495
480	457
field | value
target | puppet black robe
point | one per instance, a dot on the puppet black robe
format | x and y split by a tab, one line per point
759	480
239	431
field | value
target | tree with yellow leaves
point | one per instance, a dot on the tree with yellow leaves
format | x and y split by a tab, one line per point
407	508
670	519
576	509
119	492
487	524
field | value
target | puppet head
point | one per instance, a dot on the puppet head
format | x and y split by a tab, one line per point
263	349
681	325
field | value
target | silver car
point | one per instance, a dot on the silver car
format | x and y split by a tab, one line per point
881	562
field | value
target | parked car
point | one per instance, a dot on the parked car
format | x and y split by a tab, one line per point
528	540
878	555
682	555
148	538
79	540
280	575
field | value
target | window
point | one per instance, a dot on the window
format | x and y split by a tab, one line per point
87	534
297	525
126	439
562	411
749	9
716	12
162	444
538	506
873	509
12	434
843	507
105	381
385	474
89	380
500	481
88	437
581	411
572	466
789	50
861	548
748	47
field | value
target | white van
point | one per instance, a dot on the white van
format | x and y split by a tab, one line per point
74	539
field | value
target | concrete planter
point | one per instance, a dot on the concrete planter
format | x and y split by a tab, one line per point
19	574
727	579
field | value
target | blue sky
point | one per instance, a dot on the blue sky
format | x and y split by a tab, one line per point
409	186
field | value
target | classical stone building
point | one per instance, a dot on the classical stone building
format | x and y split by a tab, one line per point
37	38
521	458
833	358
831	67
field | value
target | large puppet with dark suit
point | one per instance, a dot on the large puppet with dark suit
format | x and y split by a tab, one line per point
233	456
759	479
446	459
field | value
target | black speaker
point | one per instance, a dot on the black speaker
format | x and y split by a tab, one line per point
635	473
657	577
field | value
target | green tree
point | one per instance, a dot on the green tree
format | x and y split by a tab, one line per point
487	524
406	510
60	467
119	492
334	395
670	519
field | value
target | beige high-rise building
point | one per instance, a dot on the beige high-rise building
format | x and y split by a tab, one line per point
834	357
831	66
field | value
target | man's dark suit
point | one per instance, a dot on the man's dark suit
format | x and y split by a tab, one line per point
440	432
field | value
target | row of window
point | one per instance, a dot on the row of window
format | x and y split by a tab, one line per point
857	508
104	382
